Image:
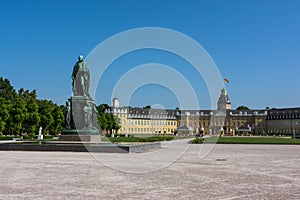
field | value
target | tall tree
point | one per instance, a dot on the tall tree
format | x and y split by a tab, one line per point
6	90
242	108
107	121
102	121
102	107
23	112
45	112
5	106
17	114
32	118
59	119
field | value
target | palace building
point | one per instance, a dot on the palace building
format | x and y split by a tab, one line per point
283	121
144	121
223	120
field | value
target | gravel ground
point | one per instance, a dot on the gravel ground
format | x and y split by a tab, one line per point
227	172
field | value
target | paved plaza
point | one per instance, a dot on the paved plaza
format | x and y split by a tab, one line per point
227	172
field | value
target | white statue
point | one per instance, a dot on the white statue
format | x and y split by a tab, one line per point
40	137
112	133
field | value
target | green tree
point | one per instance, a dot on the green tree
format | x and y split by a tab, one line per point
32	118
107	121
63	109
242	108
102	107
23	112
45	112
17	116
7	91
5	106
58	120
102	121
116	125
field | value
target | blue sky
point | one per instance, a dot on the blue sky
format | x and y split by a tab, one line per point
255	44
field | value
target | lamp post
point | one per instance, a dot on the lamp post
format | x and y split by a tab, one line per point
292	133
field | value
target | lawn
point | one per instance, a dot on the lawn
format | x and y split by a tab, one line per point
140	139
247	140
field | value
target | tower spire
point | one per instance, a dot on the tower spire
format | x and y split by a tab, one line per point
224	101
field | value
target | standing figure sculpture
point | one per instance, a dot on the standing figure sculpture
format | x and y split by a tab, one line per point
81	78
68	115
80	112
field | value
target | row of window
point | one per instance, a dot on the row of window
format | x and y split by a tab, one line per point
284	116
285	122
147	130
218	123
151	122
283	131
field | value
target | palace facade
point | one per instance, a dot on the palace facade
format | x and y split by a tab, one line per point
283	121
223	120
144	120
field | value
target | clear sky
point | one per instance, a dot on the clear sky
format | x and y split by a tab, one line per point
255	45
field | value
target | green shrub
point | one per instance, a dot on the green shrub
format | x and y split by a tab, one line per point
6	137
198	140
141	139
48	137
247	140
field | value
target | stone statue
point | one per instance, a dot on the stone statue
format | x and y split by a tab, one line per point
40	136
81	113
81	78
87	116
68	115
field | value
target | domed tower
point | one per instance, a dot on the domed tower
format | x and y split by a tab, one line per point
224	102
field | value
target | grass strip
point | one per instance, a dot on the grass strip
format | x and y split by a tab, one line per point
247	140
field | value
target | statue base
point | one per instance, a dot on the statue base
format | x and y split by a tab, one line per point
83	113
83	135
80	132
80	138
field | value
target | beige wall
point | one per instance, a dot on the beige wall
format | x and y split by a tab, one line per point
284	126
146	125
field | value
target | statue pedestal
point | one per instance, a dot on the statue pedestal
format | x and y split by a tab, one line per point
83	113
82	121
80	138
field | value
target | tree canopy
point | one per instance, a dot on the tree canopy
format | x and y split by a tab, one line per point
242	108
6	90
21	112
107	121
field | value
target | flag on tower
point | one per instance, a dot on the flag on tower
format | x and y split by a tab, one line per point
226	80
